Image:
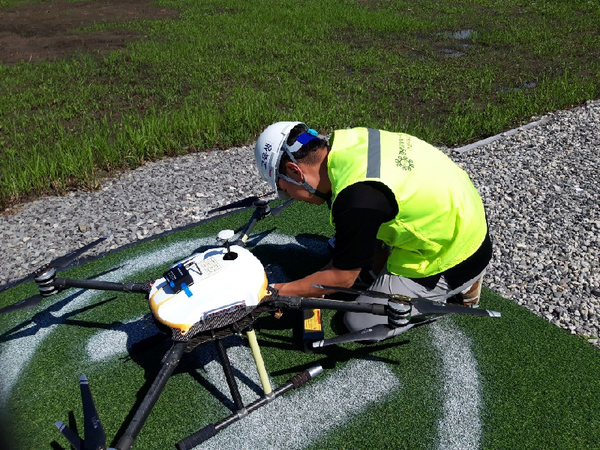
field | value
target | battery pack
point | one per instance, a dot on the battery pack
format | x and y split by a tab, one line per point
312	327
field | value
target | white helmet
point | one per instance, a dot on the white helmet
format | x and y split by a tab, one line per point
271	145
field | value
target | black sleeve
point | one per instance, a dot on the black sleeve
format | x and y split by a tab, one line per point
358	212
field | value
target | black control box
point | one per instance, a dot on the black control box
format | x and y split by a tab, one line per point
178	278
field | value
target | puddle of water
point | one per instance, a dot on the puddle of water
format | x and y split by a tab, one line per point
451	53
528	85
460	35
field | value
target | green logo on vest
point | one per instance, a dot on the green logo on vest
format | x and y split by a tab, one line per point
403	161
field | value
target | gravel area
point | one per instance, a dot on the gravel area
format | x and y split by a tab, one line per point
541	187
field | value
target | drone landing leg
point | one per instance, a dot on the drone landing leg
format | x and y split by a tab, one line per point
170	362
231	382
260	364
212	429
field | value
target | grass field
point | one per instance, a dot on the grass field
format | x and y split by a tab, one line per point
215	73
516	382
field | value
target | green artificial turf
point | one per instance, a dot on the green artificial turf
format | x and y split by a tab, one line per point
538	383
541	382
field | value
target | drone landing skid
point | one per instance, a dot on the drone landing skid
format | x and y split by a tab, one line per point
211	430
242	410
95	437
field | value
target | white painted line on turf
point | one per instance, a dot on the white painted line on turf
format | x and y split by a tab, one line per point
459	427
108	343
16	353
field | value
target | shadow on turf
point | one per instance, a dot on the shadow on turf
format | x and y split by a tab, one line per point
329	356
149	352
45	319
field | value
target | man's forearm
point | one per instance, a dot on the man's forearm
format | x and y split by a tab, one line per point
328	276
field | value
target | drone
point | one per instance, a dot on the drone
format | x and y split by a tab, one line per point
194	303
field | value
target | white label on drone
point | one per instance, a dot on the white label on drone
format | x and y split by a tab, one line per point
229	309
209	266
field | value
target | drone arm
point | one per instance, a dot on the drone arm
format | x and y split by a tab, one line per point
170	362
336	305
262	210
132	287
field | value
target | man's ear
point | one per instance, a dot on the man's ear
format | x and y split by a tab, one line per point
293	171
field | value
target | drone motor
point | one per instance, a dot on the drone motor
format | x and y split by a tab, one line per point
44	278
399	312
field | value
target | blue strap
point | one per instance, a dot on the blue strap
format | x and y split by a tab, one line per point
186	289
305	138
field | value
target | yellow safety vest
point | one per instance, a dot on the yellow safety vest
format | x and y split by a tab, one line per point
441	219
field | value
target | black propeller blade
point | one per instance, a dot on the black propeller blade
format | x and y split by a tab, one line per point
382	331
279	209
248	202
376	333
423	305
429	307
94	436
75	441
63	261
374	294
30	302
59	263
244	203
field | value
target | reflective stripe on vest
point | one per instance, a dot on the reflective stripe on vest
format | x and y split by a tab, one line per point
440	221
374	159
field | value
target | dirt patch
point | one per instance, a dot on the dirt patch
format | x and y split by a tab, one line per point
47	31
